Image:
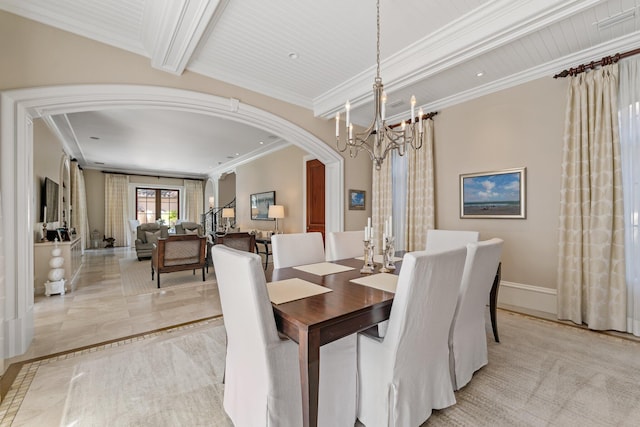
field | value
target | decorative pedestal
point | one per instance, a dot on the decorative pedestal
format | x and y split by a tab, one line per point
53	288
55	284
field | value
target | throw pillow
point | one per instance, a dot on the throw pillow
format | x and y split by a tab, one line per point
152	237
194	231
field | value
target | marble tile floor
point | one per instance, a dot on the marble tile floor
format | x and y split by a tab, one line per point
96	311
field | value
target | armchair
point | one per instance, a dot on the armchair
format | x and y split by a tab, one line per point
146	236
240	241
178	253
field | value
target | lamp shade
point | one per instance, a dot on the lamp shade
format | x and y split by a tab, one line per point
228	213
276	211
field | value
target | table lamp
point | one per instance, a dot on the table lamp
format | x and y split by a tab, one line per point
228	213
277	212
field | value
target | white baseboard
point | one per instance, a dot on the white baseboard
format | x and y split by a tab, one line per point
528	297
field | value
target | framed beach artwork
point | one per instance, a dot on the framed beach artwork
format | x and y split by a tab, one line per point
499	194
357	199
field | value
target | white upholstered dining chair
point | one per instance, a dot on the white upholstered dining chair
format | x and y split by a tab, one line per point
262	376
405	375
442	240
468	336
344	244
297	249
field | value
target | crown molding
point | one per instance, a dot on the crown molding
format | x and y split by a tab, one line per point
495	24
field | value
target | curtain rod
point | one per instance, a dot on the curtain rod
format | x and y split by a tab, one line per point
152	176
607	60
426	116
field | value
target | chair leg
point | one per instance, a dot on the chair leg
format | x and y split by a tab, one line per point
203	274
158	278
493	301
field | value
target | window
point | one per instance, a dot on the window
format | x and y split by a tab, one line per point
157	203
399	198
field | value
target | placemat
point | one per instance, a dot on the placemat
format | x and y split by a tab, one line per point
378	258
383	281
288	290
323	268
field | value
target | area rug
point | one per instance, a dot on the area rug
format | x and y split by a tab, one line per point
136	278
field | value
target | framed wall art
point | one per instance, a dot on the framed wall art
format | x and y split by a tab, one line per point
357	200
260	203
498	194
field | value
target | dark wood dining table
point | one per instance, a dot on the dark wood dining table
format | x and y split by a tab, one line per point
321	319
350	308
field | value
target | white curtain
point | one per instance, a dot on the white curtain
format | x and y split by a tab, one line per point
419	215
194	205
629	101
78	212
591	271
116	196
381	201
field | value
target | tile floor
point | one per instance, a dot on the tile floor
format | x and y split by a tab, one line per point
96	311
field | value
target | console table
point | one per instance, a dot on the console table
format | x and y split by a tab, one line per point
72	254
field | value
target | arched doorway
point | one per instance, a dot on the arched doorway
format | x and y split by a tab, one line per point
19	107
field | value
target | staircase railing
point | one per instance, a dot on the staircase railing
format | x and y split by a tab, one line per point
212	219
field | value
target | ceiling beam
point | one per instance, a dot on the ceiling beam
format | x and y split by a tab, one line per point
173	29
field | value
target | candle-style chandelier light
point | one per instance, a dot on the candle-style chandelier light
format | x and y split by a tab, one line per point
379	139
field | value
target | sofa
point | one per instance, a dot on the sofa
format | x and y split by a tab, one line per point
186	227
146	236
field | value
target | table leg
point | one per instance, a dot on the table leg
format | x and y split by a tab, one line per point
309	355
493	301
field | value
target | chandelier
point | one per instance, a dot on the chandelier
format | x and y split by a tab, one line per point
379	139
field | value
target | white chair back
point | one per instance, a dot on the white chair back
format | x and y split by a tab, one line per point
444	240
262	377
344	244
468	338
297	249
403	377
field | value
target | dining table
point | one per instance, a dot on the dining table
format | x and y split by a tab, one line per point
320	319
323	318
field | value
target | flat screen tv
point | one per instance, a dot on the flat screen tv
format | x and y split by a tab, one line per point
49	201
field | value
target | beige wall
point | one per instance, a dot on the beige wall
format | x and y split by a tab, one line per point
47	160
281	172
521	126
226	189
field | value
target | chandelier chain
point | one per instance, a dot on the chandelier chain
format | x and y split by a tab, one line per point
378	39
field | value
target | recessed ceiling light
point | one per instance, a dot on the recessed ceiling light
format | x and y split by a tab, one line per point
261	142
480	74
293	55
237	154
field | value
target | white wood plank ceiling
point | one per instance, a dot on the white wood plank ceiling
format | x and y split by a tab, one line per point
431	48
